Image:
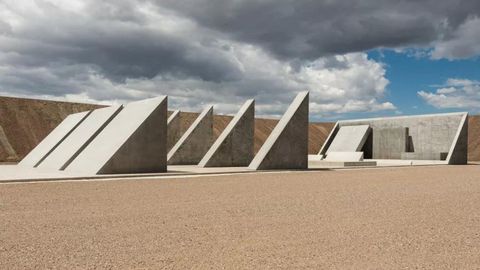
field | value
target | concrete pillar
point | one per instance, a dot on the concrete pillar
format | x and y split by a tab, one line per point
234	147
135	141
287	145
195	142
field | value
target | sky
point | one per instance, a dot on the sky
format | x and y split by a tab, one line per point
358	59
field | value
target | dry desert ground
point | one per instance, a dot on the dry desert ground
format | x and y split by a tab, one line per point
385	218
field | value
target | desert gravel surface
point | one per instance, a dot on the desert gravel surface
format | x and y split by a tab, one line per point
388	218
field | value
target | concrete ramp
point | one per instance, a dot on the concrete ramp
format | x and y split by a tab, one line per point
350	139
196	141
173	129
234	147
134	141
287	145
49	143
71	147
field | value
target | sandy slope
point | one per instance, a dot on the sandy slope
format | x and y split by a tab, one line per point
396	218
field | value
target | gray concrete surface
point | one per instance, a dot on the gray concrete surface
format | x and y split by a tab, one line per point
173	129
53	139
350	139
344	156
234	146
195	142
287	145
79	138
429	135
135	141
390	143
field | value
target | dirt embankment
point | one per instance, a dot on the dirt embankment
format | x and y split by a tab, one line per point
474	138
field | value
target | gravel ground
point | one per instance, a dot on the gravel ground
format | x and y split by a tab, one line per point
388	218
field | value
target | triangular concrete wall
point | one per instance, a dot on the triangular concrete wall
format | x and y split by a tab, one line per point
195	142
234	147
66	151
287	145
135	141
53	139
173	129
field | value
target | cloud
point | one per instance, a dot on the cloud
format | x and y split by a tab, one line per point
215	52
464	42
456	93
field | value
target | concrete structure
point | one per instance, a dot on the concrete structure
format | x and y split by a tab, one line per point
350	139
287	145
69	149
173	129
234	147
196	141
135	141
390	143
436	137
53	139
344	156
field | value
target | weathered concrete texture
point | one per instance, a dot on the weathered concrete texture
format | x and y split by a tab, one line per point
173	129
344	156
195	142
287	145
79	138
53	139
429	135
135	141
234	147
349	139
458	153
389	143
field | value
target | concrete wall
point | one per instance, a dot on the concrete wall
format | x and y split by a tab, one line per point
389	143
430	134
234	147
287	145
196	141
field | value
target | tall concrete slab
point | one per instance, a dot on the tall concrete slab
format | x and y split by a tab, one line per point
53	139
71	147
195	142
234	147
350	139
173	129
287	145
135	141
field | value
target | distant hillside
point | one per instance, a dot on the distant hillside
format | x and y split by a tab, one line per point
25	122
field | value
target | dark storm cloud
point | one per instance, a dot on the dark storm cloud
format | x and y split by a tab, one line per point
310	29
